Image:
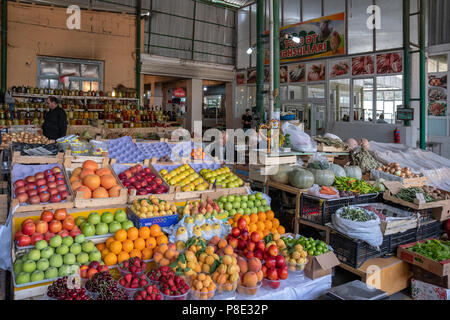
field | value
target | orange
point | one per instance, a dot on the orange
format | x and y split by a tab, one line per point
260	225
127	245
253	218
236	217
230	221
276	223
274	230
252	227
247	218
261	216
135	253
268	224
281	230
266	232
261	234
234	225
104	253
123	256
147	253
120	235
116	247
150	243
100	246
139	244
108	241
144	232
162	239
155	230
133	233
270	215
110	259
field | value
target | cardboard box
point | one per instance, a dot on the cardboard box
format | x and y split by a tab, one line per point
321	266
442	213
425	291
440	268
428	277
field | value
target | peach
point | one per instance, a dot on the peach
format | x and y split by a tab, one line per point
254	264
250	279
243	267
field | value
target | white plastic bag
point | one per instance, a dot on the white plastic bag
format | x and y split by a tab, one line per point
300	141
315	191
368	231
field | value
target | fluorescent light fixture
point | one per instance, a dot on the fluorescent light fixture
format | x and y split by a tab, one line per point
205	89
250	50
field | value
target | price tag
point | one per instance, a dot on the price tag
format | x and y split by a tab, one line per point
420	197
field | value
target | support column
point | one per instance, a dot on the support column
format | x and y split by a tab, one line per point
153	92
406	55
4	41
276	56
195	102
423	83
138	50
229	106
259	60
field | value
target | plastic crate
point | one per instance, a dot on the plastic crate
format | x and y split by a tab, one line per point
429	230
397	239
368	198
165	221
354	252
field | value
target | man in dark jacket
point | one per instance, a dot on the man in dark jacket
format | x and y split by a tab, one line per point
55	120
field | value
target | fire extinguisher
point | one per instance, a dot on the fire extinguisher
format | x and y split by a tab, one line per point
396	135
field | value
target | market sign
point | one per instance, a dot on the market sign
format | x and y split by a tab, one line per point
179	93
321	37
405	114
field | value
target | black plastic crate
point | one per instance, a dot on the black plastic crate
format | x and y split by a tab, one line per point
397	239
354	252
429	230
368	198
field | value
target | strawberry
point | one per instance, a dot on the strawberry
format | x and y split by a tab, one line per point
138	297
133	269
128	277
122	282
142	283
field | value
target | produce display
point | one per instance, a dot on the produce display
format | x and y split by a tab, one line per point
133	266
202	286
88	271
151	292
153	207
356	214
208	208
173	287
363	159
50	224
60	291
44	187
430	194
226	275
274	268
166	254
106	287
434	249
243	204
58	258
303	245
354	186
222	177
185	177
304	179
143	180
24	137
395	169
94	182
106	223
331	142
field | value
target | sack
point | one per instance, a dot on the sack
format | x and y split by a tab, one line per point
368	231
300	141
315	191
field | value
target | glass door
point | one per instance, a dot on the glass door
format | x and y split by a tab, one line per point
319	119
363	99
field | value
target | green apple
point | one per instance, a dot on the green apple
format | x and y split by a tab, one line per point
34	255
95	255
261	209
252	197
232	212
94	218
56	260
254	210
67	241
56	241
62	249
240	211
43	264
75	248
47	252
69	258
127	224
81	226
250	204
259	196
37	275
101	229
228	206
23	278
88	246
107	217
18	267
24	257
41	244
244	205
221	205
79	220
80	238
223	199
64	270
230	198
267	208
244	198
88	229
114	226
74	269
264	202
83	258
51	273
257	203
247	211
29	266
120	216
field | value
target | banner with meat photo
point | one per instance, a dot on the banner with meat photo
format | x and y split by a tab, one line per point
316	72
340	68
297	73
437	109
363	66
388	63
241	78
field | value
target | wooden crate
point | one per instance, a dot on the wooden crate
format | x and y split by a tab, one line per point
324	148
70	159
3	207
18	158
266	160
416	205
80	202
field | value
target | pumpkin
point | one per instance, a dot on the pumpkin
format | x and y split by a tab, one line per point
89	164
302	179
323	177
352	143
92	181
365	144
282	176
107	181
100	193
353	172
339	172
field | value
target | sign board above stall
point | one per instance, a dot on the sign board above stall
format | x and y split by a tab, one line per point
405	114
179	93
321	37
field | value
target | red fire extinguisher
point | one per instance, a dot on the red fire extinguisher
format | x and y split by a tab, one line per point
396	135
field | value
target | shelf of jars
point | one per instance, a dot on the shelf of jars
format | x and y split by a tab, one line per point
42	93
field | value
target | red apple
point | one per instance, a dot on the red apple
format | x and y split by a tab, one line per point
59	175
250	245
44	196
48	173
241	244
22	197
64	194
61	214
63	233
61	188
50	178
48	236
132	180
42	188
137	185
158	181
271	262
26	221
147	170
272	274
31	186
133	170
233	242
259	254
20	190
30	179
122	176
56	170
19	183
235	232
149	179
36	237
47	216
51	184
126	183
24	241
255	237
261	246
280	262
244	235
273	250
249	255
41	227
55	198
128	173
242	224
18	234
74	232
53	191
60	181
35	199
138	167
283	273
39	175
32	193
28	229
142	192
41	182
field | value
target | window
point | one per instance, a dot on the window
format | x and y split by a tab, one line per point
340	99
437	63
438	116
83	75
363	99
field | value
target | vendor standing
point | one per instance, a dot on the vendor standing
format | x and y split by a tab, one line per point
247	120
55	120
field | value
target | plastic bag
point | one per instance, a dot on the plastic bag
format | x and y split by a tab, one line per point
332	136
300	141
96	148
368	231
318	161
315	191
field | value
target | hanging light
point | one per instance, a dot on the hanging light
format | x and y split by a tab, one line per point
296	39
250	50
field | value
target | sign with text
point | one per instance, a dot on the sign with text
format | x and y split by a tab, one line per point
179	93
321	37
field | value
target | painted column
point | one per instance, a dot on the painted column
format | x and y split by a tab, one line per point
195	102
259	60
